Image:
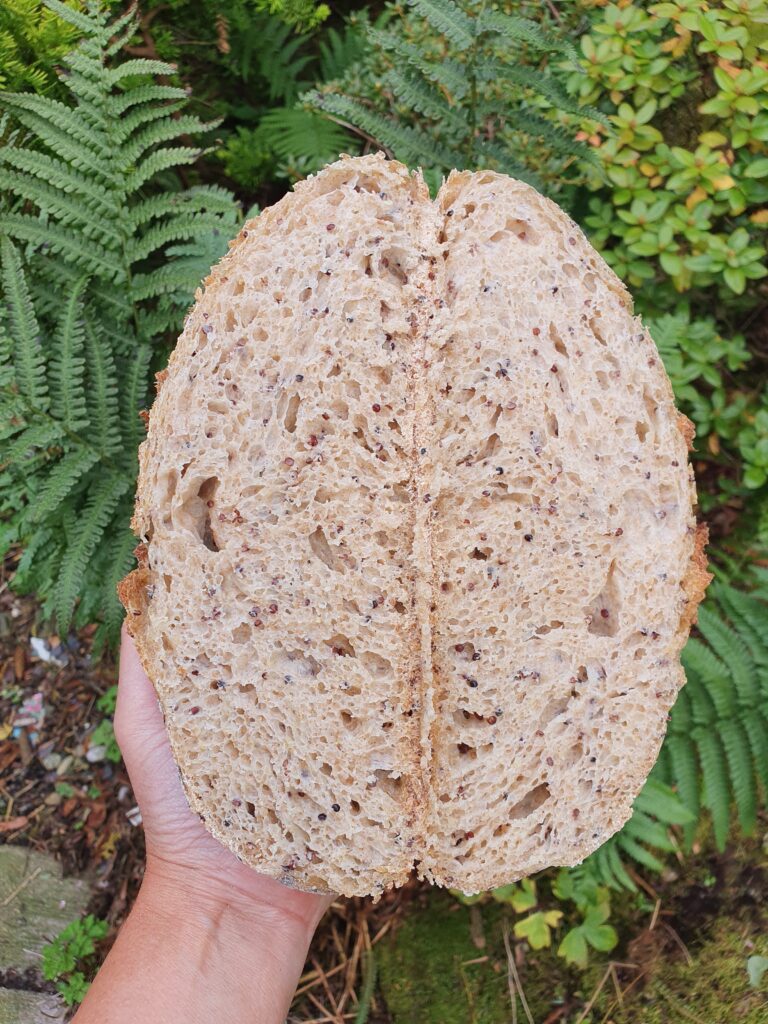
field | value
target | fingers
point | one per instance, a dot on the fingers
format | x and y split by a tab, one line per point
141	735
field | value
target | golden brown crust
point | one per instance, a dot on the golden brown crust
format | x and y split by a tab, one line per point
696	580
160	378
687	429
132	592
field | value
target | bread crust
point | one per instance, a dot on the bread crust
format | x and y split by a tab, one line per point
408	830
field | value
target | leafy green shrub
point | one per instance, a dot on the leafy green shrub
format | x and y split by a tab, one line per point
585	923
32	42
91	282
685	88
445	86
68	957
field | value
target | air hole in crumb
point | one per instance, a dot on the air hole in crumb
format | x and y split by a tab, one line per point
552	709
576	753
495	418
641	429
530	802
557	341
465	750
335	370
375	664
230	323
399	607
195	512
521	229
594	326
305	294
341	646
490	447
349	721
290	413
553	427
603	614
391	786
392	262
354	807
481	554
241	634
326	769
250	808
500	830
322	550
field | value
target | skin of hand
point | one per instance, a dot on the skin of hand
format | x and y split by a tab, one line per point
209	937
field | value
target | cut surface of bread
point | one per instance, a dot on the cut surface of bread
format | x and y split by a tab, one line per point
419	552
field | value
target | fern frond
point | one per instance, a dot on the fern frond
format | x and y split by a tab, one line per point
447	19
741	772
121	561
416	94
45	112
733	651
67	363
31	440
104	495
133	397
27	354
139	66
339	52
210	198
82	252
685	773
515	30
409	144
163	130
144	115
85	23
61	480
69	211
289	132
177	229
59	175
448	74
160	160
714	769
103	407
144	94
83	157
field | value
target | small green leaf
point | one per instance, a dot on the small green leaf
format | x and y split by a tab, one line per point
756	968
537	928
573	948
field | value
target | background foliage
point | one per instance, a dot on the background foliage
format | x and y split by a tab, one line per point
133	142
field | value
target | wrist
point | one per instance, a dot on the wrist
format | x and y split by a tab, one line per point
258	905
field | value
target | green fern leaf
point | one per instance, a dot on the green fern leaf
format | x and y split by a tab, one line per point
741	771
139	66
58	174
68	210
292	132
102	501
133	397
416	94
94	259
447	19
338	52
59	483
161	160
732	649
121	562
714	768
57	117
448	74
165	130
144	115
410	145
86	23
756	728
103	408
31	440
28	359
210	198
67	363
144	94
643	856
177	229
685	773
515	30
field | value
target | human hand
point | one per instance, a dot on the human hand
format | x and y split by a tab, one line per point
208	937
180	851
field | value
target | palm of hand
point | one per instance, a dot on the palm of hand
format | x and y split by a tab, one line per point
178	843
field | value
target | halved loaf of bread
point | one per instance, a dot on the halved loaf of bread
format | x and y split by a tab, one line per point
419	552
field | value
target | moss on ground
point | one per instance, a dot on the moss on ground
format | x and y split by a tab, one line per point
426	975
714	909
